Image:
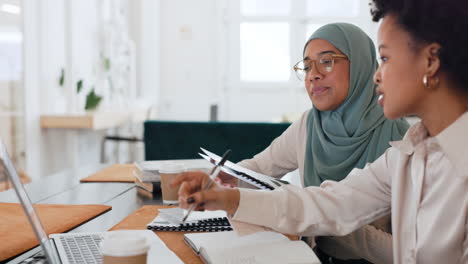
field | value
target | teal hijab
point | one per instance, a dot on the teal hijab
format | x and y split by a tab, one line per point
356	132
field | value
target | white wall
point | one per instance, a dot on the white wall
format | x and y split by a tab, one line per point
66	42
188	59
145	31
59	34
51	25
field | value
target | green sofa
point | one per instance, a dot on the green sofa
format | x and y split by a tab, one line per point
182	140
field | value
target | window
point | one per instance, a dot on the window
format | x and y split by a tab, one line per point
264	51
266	37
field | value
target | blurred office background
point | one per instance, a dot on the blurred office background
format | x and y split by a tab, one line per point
229	60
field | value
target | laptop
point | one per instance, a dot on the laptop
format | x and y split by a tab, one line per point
60	248
71	248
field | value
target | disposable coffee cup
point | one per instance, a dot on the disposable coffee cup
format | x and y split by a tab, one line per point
124	247
167	173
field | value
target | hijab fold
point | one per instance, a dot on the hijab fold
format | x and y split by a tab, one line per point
356	132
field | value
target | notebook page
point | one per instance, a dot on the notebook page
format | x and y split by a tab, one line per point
176	215
230	239
265	253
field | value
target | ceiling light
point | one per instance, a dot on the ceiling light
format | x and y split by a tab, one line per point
9	8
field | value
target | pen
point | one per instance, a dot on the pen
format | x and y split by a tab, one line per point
213	175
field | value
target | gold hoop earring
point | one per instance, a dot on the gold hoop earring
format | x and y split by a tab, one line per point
425	82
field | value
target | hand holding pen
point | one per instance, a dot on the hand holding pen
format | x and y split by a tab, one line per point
198	190
213	175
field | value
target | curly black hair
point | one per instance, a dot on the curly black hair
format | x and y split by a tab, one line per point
440	21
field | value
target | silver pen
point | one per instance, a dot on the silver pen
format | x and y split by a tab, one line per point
213	175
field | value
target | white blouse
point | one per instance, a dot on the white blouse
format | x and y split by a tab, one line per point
287	153
421	180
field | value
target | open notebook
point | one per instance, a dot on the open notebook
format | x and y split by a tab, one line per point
259	180
208	221
261	247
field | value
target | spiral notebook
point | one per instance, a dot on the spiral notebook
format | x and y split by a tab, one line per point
207	221
259	180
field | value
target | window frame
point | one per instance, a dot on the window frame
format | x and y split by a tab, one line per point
298	21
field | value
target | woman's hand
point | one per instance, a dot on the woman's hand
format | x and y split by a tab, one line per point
214	198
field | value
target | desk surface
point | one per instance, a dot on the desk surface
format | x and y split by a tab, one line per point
65	188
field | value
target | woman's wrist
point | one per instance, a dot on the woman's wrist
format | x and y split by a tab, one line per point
231	200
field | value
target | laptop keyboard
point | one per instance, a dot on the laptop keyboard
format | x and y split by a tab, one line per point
82	249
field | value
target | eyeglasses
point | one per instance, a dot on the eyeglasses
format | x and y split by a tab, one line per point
324	65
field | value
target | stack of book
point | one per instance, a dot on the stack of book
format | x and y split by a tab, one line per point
148	171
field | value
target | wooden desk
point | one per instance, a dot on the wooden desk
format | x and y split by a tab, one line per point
125	199
173	240
65	188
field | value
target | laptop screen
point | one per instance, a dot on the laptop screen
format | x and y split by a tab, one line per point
10	172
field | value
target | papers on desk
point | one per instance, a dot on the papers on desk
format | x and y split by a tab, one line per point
207	221
148	171
261	247
259	180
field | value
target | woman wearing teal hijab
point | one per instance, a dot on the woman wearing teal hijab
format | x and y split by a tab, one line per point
356	132
345	129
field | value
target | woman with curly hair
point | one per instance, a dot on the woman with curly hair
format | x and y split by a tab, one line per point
345	129
422	179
